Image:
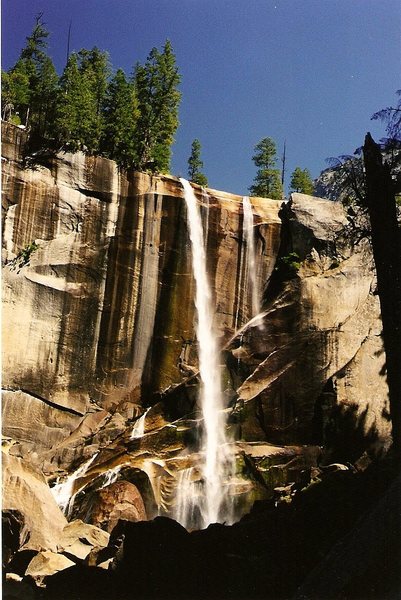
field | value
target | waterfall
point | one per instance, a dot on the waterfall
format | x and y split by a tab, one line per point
64	493
188	498
206	201
216	458
111	476
248	229
138	429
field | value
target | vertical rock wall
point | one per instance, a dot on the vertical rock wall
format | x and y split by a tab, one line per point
101	311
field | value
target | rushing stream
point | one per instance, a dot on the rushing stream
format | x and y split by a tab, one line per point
217	463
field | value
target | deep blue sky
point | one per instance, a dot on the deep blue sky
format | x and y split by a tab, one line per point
310	72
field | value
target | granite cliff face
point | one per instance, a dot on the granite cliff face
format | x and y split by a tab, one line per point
98	324
114	265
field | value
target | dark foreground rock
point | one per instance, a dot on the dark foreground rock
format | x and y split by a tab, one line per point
12	526
338	538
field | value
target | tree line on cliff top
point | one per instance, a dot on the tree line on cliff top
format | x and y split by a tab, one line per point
131	120
268	181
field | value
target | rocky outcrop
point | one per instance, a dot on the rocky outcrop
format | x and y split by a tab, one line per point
47	563
321	334
98	325
79	539
119	500
25	489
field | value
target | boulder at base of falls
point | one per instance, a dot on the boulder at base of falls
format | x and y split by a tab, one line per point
84	583
25	490
47	563
79	539
119	500
15	588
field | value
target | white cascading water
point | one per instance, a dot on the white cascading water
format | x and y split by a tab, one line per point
111	476
248	229
64	493
206	202
217	460
188	499
138	429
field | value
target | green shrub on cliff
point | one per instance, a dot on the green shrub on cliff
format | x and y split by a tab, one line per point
301	181
288	266
23	257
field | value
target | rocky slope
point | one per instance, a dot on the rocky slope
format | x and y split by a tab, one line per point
98	325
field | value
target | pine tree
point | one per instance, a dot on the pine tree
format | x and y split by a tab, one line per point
120	113
15	93
31	60
301	181
158	98
70	106
45	100
391	116
94	65
79	121
31	85
267	182
195	164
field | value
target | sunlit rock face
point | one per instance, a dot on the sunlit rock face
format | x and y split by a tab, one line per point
102	311
315	371
99	325
25	487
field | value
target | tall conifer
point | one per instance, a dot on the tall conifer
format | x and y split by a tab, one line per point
195	164
30	87
156	86
267	182
79	122
120	117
